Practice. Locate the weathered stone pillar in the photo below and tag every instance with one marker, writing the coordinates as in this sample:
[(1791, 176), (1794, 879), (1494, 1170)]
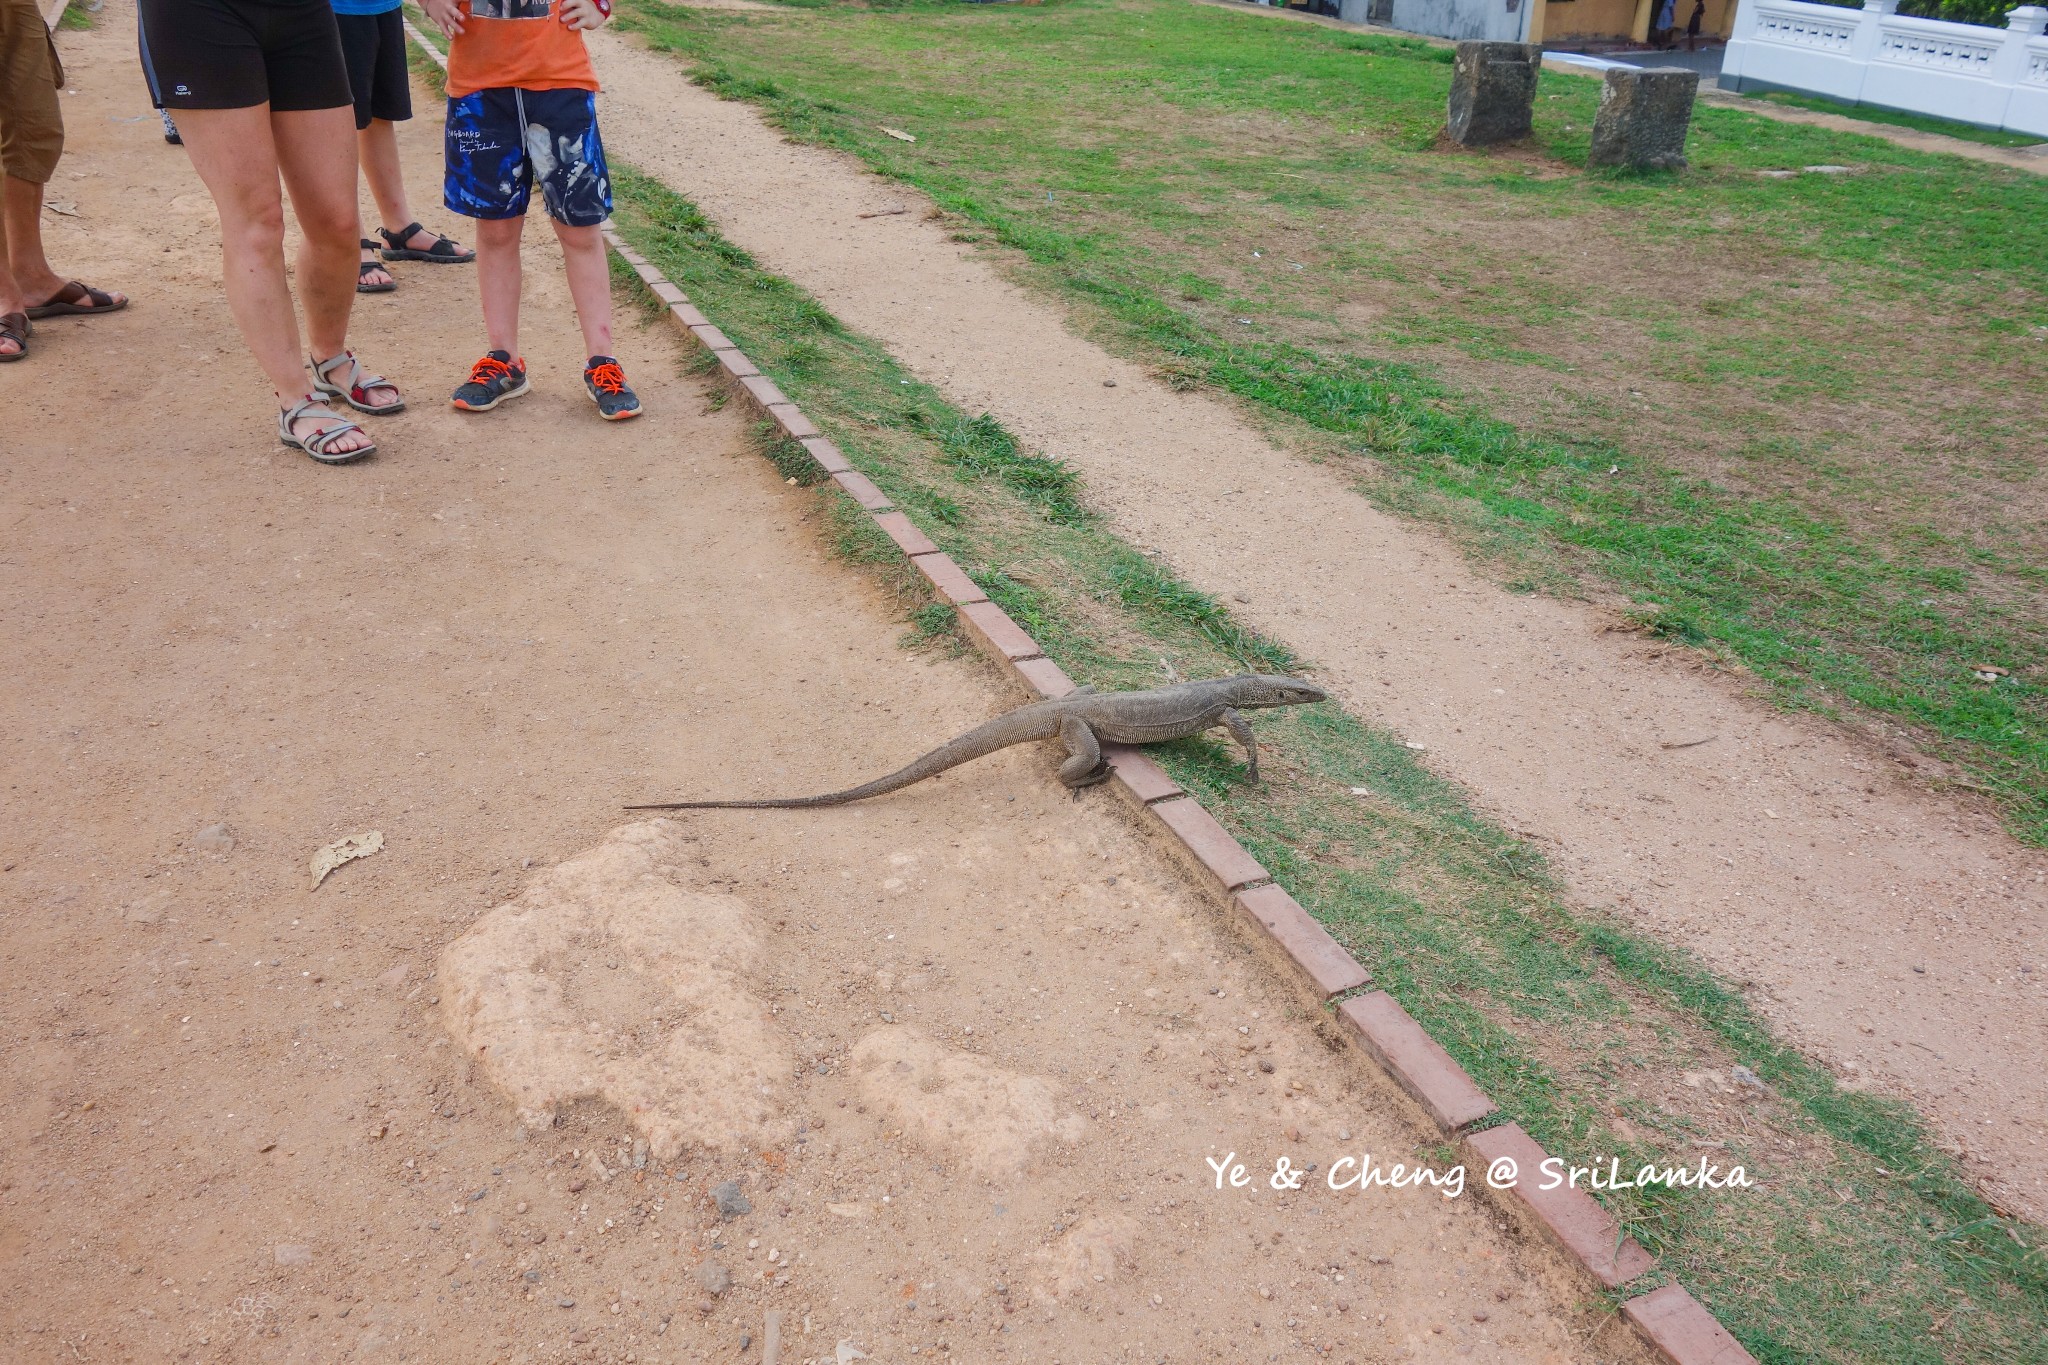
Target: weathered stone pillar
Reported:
[(1643, 118), (1493, 92)]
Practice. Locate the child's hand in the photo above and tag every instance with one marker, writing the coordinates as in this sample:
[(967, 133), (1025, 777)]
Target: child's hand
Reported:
[(583, 14), (446, 14)]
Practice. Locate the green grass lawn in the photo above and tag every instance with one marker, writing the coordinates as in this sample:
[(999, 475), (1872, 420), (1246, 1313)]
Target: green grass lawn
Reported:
[(1863, 1243), (1789, 416)]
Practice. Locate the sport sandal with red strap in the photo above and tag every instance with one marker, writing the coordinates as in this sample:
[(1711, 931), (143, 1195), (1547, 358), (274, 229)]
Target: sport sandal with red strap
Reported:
[(318, 444), (355, 386)]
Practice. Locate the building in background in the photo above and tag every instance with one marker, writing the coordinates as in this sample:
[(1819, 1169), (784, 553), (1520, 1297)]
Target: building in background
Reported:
[(1591, 23), (1995, 77)]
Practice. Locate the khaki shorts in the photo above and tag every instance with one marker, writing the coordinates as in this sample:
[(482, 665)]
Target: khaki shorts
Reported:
[(31, 124)]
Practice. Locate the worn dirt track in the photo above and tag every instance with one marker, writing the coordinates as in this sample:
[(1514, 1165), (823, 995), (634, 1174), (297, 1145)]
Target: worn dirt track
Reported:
[(233, 1125), (1892, 930)]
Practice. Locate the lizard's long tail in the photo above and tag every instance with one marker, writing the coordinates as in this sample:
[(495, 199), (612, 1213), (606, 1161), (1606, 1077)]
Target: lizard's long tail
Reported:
[(1036, 721)]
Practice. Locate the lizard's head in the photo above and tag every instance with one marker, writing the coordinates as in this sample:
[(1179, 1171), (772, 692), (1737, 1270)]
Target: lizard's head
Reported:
[(1257, 691)]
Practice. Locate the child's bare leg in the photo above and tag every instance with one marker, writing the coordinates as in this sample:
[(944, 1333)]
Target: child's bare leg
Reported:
[(498, 279), (590, 284)]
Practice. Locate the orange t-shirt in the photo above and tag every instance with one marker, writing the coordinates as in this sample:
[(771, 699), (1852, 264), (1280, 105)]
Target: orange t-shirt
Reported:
[(521, 43)]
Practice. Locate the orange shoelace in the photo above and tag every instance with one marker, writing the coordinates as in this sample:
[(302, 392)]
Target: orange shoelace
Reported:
[(487, 369), (608, 377)]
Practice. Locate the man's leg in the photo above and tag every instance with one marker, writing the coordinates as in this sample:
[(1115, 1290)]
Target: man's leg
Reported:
[(31, 140), (590, 285), (21, 204), (11, 300), (377, 146), (377, 150)]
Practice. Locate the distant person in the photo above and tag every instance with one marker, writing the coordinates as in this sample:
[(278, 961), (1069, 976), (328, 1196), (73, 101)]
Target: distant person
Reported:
[(1667, 19), (262, 95), (1692, 25), (522, 107), (31, 143), (373, 44)]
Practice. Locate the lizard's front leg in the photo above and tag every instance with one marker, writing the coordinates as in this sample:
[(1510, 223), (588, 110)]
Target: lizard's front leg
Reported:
[(1085, 765), (1241, 730)]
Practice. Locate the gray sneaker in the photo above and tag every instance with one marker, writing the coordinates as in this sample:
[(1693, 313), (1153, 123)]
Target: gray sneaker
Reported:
[(491, 381), (607, 385)]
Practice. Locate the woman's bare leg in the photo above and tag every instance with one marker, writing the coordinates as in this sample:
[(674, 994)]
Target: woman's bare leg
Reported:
[(232, 151), (236, 156), (316, 154)]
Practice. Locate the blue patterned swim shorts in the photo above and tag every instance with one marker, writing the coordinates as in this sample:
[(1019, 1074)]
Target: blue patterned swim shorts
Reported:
[(501, 141)]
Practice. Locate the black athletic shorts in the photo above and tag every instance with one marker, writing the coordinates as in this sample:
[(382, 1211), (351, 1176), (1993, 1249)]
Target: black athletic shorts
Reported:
[(374, 45), (235, 54)]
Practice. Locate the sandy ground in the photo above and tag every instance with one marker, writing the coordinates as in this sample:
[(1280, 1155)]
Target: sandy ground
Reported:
[(963, 1053), (1891, 930)]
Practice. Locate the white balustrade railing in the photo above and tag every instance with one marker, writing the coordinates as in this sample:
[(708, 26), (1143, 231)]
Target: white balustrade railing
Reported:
[(1875, 55)]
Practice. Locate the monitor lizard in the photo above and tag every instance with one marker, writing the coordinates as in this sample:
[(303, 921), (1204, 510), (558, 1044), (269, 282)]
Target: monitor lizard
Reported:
[(1082, 719)]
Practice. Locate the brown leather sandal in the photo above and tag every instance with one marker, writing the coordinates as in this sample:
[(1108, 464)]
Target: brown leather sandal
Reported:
[(77, 300), (15, 327)]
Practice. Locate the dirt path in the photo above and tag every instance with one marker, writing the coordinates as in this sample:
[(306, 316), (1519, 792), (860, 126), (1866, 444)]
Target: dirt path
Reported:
[(1888, 929), (963, 1052)]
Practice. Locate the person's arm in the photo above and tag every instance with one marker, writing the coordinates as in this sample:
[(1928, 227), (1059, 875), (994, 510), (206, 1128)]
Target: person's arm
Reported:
[(446, 14), (585, 14)]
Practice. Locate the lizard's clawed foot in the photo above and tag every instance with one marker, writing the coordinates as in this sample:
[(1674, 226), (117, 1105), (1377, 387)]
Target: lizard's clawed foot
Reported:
[(1099, 773)]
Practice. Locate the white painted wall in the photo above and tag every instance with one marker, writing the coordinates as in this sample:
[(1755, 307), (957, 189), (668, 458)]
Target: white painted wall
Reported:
[(1990, 77)]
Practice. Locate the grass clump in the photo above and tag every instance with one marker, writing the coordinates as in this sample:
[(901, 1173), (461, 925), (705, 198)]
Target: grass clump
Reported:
[(788, 455), (981, 446)]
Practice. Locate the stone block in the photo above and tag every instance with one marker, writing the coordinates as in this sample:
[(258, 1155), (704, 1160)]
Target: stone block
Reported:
[(1416, 1061), (1493, 92), (1643, 118), (1044, 678), (991, 628), (1330, 970), (1683, 1332), (1208, 844), (1569, 1215)]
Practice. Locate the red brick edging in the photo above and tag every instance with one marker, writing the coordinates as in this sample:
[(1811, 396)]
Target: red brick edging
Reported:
[(1674, 1323)]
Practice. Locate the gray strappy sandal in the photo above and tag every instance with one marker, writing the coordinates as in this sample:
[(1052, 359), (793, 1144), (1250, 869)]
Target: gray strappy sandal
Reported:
[(316, 444), (357, 384)]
